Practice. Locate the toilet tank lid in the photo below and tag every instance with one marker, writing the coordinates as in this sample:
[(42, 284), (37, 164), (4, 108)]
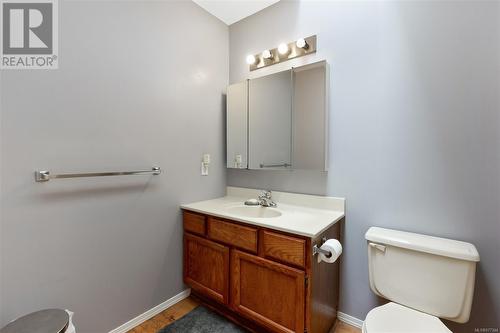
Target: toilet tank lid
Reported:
[(423, 243)]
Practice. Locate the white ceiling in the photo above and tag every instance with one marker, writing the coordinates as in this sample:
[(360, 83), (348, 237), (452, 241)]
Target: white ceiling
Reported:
[(231, 11)]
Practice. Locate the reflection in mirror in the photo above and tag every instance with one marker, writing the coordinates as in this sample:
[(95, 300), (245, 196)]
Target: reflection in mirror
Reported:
[(270, 121)]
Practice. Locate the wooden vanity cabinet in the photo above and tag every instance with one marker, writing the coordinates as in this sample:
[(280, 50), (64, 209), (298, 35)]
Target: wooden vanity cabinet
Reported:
[(263, 279)]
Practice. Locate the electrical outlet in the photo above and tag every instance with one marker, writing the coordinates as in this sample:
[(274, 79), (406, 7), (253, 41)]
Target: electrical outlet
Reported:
[(205, 162)]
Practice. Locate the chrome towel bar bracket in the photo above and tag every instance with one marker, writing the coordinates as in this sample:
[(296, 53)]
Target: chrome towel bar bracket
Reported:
[(45, 176)]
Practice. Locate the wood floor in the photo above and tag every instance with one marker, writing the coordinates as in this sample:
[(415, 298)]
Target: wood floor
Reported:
[(182, 308)]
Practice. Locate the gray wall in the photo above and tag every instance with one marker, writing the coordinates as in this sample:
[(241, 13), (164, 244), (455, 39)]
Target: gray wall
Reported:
[(414, 126), (134, 89)]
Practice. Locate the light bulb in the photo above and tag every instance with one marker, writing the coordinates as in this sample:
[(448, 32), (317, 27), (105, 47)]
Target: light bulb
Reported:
[(266, 54), (250, 59), (283, 48), (301, 43)]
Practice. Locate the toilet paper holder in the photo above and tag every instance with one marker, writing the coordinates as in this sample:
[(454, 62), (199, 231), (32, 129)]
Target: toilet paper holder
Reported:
[(317, 249)]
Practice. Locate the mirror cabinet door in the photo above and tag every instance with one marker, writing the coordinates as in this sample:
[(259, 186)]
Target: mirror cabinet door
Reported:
[(270, 121), (280, 121), (237, 125), (310, 117)]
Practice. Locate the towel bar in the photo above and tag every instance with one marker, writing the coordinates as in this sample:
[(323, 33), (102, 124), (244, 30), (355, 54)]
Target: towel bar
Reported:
[(45, 176)]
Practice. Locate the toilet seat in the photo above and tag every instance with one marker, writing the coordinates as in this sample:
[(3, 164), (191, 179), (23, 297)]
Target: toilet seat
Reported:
[(395, 318)]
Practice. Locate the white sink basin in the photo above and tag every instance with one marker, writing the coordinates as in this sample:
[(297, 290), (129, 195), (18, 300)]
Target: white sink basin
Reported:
[(253, 211)]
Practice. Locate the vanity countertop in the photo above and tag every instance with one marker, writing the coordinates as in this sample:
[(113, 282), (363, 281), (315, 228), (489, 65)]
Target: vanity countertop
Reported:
[(300, 214)]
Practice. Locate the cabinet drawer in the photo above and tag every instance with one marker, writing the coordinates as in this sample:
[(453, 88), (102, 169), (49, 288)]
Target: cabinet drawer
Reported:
[(283, 248), (233, 234), (194, 223)]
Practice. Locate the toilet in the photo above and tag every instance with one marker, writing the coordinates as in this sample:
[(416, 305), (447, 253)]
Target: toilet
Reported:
[(424, 278)]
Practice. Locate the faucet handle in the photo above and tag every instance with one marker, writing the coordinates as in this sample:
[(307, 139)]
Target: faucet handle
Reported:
[(266, 194), (266, 199)]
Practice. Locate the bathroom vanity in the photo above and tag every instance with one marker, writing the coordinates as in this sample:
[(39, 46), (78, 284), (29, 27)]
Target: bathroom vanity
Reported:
[(255, 265)]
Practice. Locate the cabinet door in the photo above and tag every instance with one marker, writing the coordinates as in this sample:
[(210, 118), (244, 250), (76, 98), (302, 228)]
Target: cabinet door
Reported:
[(270, 121), (310, 117), (236, 125), (269, 293), (206, 267)]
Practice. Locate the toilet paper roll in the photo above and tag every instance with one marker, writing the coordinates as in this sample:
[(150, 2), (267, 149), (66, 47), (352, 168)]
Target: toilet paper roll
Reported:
[(335, 249)]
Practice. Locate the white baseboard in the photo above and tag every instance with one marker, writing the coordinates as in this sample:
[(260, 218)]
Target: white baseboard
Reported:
[(151, 312), (353, 321)]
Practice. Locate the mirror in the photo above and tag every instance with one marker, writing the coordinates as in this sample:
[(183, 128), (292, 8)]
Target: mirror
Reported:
[(270, 121), (279, 121), (237, 125), (310, 117)]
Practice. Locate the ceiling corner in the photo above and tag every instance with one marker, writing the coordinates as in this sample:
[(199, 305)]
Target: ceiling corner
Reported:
[(232, 11)]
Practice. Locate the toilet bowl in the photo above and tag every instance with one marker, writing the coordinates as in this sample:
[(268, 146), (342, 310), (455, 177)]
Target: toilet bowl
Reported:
[(424, 278), (395, 318)]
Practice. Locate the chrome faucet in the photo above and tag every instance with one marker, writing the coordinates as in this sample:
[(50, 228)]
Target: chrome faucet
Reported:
[(266, 199)]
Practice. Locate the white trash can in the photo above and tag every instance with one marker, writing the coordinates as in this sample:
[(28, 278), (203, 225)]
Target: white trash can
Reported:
[(43, 321), (71, 327)]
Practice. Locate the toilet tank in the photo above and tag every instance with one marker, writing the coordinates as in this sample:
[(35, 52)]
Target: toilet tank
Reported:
[(430, 274)]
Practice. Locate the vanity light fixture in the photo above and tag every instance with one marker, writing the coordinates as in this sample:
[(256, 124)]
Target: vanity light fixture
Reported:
[(251, 59), (283, 49), (301, 43), (266, 54), (298, 48)]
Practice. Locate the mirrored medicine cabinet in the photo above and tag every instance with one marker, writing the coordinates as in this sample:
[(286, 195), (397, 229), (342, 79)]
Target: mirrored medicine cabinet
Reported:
[(279, 121)]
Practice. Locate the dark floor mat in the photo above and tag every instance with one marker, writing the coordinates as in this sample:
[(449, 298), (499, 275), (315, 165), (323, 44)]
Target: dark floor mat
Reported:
[(202, 320)]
